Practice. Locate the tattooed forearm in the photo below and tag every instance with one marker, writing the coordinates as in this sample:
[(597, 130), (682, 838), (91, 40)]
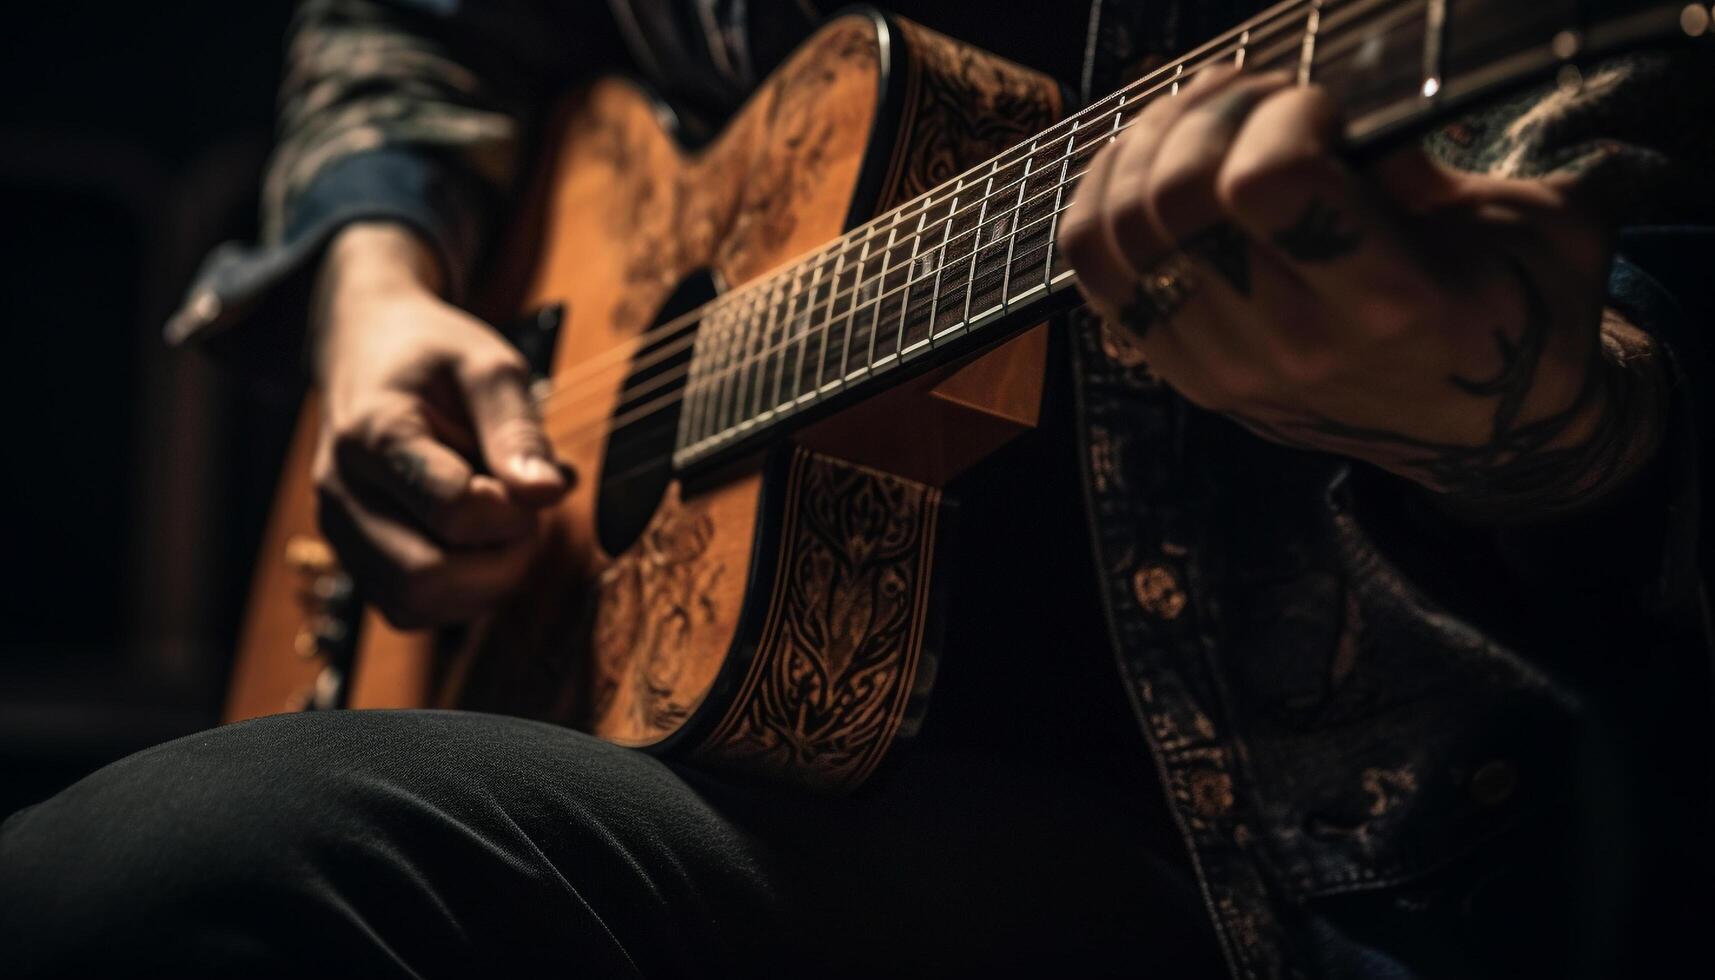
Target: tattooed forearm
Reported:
[(1550, 465), (1317, 235)]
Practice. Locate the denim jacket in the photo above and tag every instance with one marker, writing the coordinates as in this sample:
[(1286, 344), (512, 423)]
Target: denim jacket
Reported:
[(1396, 745)]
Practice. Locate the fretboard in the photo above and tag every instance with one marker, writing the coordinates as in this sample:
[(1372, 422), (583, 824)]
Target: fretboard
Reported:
[(966, 264)]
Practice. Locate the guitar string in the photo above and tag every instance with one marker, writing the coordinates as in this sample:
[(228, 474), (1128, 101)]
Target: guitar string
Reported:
[(818, 260), (804, 316), (897, 217), (706, 314), (942, 225), (741, 330), (1213, 54), (591, 428), (573, 431), (674, 335), (811, 328)]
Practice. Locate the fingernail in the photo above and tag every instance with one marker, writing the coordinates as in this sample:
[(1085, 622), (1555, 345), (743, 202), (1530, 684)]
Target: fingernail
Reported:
[(535, 469)]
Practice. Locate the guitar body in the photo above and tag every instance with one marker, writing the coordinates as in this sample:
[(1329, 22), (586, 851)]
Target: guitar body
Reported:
[(775, 616)]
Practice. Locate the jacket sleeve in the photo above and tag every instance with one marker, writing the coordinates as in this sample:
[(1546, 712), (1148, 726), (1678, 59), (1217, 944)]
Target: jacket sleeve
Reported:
[(416, 111)]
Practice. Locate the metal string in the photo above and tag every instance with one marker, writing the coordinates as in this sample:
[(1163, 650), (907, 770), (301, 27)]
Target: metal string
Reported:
[(1127, 102), (896, 218)]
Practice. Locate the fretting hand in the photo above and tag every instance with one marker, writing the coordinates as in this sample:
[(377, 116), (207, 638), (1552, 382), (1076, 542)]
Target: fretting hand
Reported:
[(1447, 327), (432, 466)]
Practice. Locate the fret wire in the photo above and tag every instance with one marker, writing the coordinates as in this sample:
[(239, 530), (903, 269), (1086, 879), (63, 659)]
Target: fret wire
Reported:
[(766, 305), (1434, 47), (905, 299), (1060, 190), (772, 354), (792, 338), (748, 373), (851, 315), (1241, 51), (940, 268), (822, 354), (786, 342), (743, 318), (1012, 237), (735, 358), (1270, 21), (1329, 50), (880, 291), (711, 401), (770, 378), (672, 396), (797, 341), (1116, 122), (789, 336), (1295, 47), (1085, 123), (711, 394), (801, 319), (1307, 56), (723, 390), (976, 249), (710, 377), (833, 291), (1239, 57), (694, 373), (1083, 119)]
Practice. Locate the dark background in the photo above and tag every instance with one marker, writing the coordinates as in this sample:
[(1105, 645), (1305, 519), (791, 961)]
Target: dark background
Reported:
[(132, 137)]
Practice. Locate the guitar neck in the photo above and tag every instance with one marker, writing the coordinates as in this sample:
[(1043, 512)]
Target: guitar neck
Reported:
[(970, 262)]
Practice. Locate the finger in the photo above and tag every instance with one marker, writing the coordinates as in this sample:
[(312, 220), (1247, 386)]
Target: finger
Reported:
[(514, 445), (1285, 185), (405, 461), (1128, 228), (1165, 194), (415, 582), (1086, 238), (1103, 276)]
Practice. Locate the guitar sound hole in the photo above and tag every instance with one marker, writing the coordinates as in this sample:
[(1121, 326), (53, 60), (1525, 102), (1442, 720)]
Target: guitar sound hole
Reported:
[(638, 462)]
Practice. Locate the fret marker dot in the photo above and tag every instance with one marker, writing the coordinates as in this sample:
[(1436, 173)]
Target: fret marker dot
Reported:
[(1430, 87)]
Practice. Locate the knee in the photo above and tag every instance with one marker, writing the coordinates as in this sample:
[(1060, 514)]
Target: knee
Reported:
[(203, 849)]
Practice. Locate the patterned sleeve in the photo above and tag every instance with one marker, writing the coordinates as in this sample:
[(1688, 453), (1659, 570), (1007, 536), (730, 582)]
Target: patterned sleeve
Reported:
[(415, 111), (1639, 130)]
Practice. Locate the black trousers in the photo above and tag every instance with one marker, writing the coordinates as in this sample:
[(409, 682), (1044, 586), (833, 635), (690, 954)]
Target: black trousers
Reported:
[(418, 843)]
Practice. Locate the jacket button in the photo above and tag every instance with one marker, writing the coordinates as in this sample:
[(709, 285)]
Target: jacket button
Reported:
[(1158, 591), (1494, 782)]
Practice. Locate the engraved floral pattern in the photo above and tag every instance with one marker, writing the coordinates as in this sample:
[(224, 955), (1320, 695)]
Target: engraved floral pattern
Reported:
[(649, 602), (840, 657)]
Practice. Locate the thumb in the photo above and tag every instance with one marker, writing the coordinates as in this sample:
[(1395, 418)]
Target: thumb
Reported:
[(514, 445)]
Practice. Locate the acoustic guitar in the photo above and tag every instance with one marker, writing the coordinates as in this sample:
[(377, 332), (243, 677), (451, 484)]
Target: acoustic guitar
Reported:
[(767, 358)]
